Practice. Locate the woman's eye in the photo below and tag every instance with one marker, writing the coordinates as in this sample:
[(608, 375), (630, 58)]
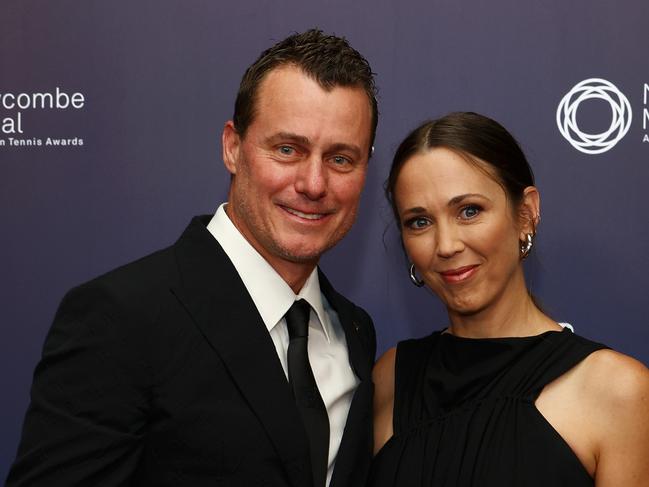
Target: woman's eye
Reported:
[(470, 211), (417, 223)]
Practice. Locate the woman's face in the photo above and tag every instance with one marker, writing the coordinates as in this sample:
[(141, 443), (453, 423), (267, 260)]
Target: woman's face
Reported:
[(459, 230)]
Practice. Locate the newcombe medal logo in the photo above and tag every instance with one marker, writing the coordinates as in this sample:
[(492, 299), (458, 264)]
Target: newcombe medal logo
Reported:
[(594, 88)]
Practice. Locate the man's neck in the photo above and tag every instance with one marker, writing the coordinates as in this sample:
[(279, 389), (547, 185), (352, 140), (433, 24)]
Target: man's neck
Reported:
[(293, 273)]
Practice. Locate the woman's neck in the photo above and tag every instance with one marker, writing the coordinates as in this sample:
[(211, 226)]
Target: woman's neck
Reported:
[(513, 314)]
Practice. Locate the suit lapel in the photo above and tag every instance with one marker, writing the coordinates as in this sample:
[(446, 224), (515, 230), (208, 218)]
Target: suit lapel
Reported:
[(219, 303), (355, 451), (358, 352)]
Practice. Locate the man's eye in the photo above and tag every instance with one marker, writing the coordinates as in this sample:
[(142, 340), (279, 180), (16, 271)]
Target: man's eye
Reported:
[(286, 150), (470, 211), (340, 160)]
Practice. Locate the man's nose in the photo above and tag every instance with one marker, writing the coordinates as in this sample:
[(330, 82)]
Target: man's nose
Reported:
[(311, 178)]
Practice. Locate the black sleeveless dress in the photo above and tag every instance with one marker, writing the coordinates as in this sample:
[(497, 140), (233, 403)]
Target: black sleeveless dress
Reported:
[(464, 413)]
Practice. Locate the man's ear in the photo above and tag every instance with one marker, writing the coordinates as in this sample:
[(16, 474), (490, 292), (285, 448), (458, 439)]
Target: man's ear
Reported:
[(529, 212), (231, 147)]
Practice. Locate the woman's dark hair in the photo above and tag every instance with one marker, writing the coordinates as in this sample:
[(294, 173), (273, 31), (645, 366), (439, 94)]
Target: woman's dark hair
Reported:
[(473, 137)]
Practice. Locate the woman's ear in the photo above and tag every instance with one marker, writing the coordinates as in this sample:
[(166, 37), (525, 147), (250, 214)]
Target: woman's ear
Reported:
[(231, 145), (529, 212)]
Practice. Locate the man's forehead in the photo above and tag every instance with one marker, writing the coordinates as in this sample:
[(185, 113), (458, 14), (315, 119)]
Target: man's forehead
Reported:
[(292, 105)]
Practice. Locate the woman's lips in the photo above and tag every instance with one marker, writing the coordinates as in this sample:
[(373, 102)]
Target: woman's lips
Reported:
[(460, 274)]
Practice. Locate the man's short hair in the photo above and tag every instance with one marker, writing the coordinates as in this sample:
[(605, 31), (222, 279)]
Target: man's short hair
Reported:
[(328, 59)]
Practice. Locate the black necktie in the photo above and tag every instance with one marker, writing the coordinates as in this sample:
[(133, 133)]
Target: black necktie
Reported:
[(305, 390)]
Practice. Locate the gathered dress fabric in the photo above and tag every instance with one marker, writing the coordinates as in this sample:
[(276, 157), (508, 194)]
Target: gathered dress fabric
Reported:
[(465, 414)]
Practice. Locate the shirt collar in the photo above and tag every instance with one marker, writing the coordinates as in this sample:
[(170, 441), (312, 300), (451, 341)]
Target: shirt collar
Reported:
[(271, 295)]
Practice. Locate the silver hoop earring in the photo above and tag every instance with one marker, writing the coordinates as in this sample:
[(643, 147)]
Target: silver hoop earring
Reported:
[(526, 246), (417, 282)]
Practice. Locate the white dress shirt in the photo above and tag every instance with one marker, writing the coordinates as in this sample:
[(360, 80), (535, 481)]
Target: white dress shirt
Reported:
[(273, 297)]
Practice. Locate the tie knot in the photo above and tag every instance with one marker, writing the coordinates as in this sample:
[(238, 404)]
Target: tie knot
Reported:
[(297, 319)]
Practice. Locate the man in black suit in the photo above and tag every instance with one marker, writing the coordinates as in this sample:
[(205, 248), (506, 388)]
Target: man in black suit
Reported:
[(194, 366)]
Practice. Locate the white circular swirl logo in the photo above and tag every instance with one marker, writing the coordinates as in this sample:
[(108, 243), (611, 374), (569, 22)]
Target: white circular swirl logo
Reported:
[(594, 88)]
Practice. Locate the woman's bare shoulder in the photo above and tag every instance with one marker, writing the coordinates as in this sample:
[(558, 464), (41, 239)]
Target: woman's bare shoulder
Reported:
[(614, 378), (383, 373), (616, 388), (383, 378)]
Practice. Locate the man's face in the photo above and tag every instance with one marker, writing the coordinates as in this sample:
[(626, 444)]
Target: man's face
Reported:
[(299, 170)]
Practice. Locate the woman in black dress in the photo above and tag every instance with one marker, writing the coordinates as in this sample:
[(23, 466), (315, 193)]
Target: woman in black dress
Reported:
[(504, 396)]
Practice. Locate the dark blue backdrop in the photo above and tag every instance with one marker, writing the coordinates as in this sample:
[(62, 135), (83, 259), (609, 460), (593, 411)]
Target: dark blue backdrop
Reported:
[(159, 80)]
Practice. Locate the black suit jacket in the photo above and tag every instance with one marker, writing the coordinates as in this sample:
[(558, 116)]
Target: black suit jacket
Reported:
[(162, 373)]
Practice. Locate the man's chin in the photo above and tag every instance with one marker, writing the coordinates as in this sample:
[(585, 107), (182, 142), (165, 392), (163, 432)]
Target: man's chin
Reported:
[(301, 257), (302, 254)]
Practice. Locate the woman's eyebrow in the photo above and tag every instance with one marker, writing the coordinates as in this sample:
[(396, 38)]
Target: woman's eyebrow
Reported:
[(458, 199)]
